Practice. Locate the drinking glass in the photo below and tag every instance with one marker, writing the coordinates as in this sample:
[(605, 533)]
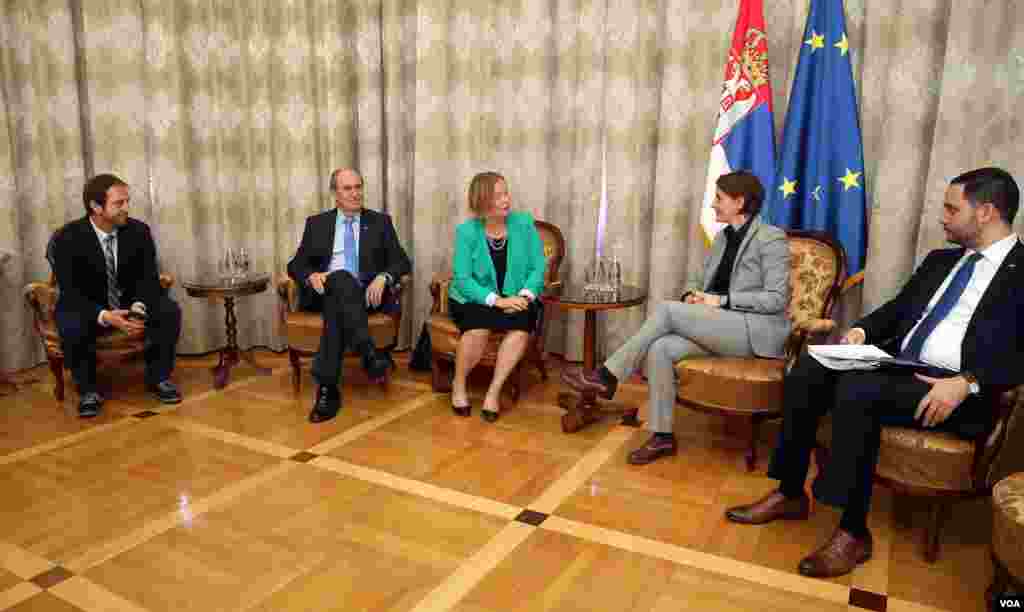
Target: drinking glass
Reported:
[(242, 262)]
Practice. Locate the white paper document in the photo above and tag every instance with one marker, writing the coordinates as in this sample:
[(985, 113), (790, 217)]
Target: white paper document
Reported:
[(857, 357)]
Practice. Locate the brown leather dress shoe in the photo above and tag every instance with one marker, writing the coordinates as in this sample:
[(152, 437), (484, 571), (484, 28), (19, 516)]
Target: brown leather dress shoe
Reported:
[(588, 381), (654, 448), (771, 507), (838, 556)]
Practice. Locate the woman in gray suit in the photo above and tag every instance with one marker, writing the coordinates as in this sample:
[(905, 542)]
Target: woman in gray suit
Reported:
[(736, 307)]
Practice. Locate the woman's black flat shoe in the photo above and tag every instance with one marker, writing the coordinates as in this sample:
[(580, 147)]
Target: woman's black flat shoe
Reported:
[(488, 416), (462, 411)]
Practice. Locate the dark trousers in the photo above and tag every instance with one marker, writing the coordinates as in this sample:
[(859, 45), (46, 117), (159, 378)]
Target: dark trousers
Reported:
[(345, 315), (861, 402), (79, 331)]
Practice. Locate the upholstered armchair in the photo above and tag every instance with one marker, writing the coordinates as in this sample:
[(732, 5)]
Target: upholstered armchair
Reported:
[(940, 466), (303, 329), (444, 335), (113, 345), (751, 388)]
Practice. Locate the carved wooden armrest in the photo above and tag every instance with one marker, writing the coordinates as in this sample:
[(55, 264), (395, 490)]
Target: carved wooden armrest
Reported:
[(288, 294), (166, 280), (42, 299), (801, 332), (439, 284)]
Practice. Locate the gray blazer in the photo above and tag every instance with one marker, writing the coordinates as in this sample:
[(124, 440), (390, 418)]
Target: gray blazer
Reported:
[(758, 286)]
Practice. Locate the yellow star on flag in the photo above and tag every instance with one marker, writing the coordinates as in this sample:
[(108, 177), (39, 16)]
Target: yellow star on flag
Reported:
[(787, 188), (816, 41), (843, 45), (850, 180)]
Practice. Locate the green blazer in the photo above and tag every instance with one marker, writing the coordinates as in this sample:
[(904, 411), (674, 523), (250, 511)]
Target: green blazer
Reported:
[(473, 275)]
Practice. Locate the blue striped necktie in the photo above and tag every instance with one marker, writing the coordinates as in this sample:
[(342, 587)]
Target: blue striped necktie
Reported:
[(113, 294), (942, 308)]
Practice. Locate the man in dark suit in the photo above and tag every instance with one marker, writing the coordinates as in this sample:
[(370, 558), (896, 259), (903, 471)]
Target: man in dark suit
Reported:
[(959, 314), (106, 270), (348, 263)]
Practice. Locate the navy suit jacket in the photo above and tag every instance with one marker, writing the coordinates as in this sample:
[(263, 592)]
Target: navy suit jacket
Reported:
[(379, 250), (77, 259), (993, 345)]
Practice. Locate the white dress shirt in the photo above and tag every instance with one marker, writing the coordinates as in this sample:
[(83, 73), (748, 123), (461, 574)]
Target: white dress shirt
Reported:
[(943, 346)]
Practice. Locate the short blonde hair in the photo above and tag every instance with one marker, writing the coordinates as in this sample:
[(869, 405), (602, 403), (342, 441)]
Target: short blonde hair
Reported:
[(481, 191)]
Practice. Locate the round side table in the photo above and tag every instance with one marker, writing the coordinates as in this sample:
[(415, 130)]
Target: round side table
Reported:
[(582, 410), (227, 289)]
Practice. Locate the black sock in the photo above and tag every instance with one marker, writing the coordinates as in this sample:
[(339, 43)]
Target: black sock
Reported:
[(662, 436), (854, 523), (793, 492), (607, 376)]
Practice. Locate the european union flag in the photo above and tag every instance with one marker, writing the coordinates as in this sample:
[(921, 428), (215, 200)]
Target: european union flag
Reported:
[(820, 180)]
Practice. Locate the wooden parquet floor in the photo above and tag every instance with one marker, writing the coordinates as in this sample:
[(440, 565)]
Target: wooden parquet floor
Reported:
[(232, 500)]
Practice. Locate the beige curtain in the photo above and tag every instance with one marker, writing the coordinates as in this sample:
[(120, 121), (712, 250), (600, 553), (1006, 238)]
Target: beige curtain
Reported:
[(226, 116)]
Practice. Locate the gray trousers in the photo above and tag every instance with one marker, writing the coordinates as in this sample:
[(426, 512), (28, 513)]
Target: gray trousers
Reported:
[(671, 333)]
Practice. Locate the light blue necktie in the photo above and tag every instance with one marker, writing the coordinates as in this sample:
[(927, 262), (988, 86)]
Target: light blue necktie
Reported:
[(945, 304), (351, 259)]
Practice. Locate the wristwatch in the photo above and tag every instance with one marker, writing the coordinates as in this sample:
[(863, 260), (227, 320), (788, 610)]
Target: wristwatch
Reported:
[(973, 388)]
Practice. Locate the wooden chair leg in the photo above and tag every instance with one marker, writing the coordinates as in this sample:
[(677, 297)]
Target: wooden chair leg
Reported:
[(441, 372), (538, 360), (938, 513), (293, 357), (518, 381), (57, 367)]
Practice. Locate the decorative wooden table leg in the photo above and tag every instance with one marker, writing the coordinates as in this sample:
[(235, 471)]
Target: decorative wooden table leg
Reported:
[(583, 410), (228, 354)]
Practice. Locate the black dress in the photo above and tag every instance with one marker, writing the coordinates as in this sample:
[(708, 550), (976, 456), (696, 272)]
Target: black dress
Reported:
[(481, 316)]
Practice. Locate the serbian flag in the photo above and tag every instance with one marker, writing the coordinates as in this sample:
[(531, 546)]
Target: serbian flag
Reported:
[(745, 133)]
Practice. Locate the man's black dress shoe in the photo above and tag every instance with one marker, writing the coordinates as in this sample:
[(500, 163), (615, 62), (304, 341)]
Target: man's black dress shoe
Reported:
[(326, 404), (89, 404), (166, 392), (376, 365)]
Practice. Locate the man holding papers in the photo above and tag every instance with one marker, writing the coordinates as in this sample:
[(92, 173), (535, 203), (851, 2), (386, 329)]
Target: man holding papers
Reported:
[(958, 314)]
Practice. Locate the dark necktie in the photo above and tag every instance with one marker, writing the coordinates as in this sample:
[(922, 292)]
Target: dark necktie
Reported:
[(113, 294), (942, 308)]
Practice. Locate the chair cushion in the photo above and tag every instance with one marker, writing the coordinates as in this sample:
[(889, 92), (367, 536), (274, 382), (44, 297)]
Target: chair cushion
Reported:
[(444, 338), (1008, 523), (303, 330), (732, 384), (109, 340), (928, 459), (932, 459)]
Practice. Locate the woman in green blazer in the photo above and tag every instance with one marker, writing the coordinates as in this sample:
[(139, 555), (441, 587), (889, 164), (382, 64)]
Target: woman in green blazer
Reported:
[(498, 272)]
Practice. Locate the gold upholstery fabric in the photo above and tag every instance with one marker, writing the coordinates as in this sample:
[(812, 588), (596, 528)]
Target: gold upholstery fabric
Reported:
[(444, 334), (931, 459), (1008, 523), (813, 270), (111, 343), (754, 385), (735, 384), (303, 330)]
